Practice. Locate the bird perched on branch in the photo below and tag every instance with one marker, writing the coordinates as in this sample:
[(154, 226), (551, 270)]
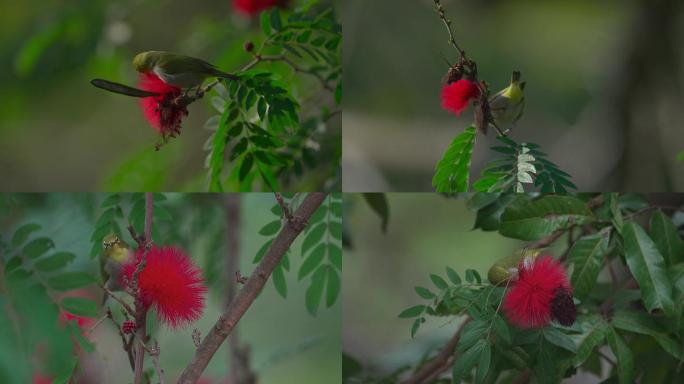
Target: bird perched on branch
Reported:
[(506, 269), (508, 105), (115, 253), (178, 70)]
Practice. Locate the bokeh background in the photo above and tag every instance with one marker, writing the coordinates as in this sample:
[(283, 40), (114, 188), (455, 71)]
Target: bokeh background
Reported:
[(59, 133), (287, 344), (604, 88)]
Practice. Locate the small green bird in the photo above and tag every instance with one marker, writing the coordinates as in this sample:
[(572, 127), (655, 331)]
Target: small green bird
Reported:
[(115, 254), (508, 105), (506, 269), (178, 70)]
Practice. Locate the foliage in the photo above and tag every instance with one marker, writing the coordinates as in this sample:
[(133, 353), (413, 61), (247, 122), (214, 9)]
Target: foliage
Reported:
[(627, 284), (259, 122), (321, 250)]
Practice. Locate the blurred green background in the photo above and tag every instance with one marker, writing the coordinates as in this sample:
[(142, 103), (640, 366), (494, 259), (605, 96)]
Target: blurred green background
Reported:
[(604, 88), (59, 133), (426, 233), (287, 344)]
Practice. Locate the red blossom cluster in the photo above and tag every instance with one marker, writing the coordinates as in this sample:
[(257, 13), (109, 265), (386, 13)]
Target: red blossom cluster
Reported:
[(541, 293), (170, 283), (254, 7), (162, 111), (457, 95)]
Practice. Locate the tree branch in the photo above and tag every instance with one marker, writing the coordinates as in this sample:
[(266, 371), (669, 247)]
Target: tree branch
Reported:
[(244, 299), (140, 309), (440, 362)]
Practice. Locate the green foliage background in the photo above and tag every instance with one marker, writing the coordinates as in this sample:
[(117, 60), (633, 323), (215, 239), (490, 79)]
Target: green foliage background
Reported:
[(57, 132), (301, 347)]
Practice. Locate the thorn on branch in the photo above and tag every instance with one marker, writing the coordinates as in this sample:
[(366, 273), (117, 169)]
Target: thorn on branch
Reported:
[(196, 337), (239, 278)]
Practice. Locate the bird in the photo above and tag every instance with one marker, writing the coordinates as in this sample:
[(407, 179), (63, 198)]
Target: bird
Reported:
[(180, 71), (507, 106), (115, 253), (506, 269)]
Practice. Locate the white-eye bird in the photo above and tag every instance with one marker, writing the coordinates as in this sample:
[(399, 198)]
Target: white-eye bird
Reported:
[(115, 253), (178, 70), (506, 269), (508, 105)]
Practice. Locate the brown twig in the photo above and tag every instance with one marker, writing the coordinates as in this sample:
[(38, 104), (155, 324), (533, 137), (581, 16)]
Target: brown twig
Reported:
[(125, 344), (118, 299), (244, 299), (140, 308), (439, 363), (286, 210)]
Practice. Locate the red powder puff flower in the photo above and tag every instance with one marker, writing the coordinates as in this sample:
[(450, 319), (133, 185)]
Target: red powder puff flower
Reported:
[(171, 283), (541, 293), (253, 7), (161, 111), (455, 96), (40, 379)]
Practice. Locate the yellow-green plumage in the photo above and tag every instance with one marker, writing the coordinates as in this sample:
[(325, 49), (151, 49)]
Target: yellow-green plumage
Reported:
[(507, 268), (508, 105), (115, 253), (178, 70)]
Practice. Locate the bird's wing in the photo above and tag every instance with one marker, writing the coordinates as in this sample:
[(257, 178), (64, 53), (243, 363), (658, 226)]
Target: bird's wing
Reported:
[(173, 64), (498, 102)]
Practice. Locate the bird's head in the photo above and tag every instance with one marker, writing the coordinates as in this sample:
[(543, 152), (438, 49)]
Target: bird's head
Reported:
[(145, 61), (114, 247), (515, 90)]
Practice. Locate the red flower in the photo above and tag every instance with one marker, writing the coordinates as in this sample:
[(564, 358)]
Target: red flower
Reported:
[(254, 7), (455, 96), (40, 379), (171, 283), (541, 293), (161, 111)]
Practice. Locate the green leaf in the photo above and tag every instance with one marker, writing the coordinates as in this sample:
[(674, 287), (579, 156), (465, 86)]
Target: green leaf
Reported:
[(335, 255), (648, 268), (424, 293), (666, 238), (453, 171), (416, 324), (595, 333), (56, 261), (556, 337), (266, 23), (313, 237), (315, 290), (333, 287), (587, 256), (378, 203), (472, 332), (438, 281), (271, 228), (77, 334), (625, 358), (279, 281), (473, 276), (483, 365), (216, 154), (262, 251), (646, 325), (79, 306), (414, 311), (453, 276), (245, 167), (501, 329), (336, 230), (312, 261), (70, 280), (110, 201), (545, 369), (23, 232), (533, 220), (276, 22), (465, 363), (37, 247)]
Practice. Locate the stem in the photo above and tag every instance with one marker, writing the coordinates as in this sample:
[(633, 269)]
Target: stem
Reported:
[(140, 309), (439, 363), (244, 299)]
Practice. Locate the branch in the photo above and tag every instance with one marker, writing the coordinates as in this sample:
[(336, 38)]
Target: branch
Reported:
[(244, 299), (140, 309), (440, 362)]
